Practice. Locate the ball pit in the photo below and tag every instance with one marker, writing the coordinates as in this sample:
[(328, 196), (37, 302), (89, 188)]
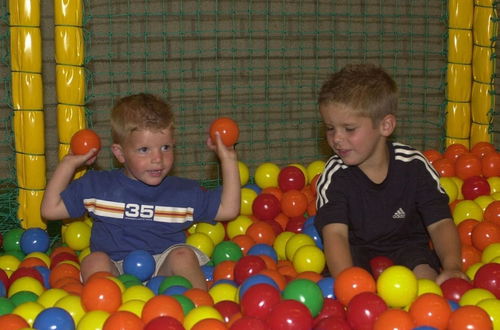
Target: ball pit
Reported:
[(266, 270)]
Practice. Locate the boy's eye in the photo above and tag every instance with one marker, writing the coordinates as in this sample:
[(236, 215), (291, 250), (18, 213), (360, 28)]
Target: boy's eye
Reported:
[(142, 149), (350, 129), (165, 147)]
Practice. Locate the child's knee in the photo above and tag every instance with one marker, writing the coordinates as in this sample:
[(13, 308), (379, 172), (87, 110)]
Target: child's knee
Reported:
[(184, 254)]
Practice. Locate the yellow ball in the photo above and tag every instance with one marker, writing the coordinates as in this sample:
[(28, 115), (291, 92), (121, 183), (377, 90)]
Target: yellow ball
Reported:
[(483, 201), (314, 169), (247, 197), (28, 311), (137, 292), (449, 187), (93, 320), (492, 307), (474, 296), (496, 195), (73, 305), (428, 286), (77, 235), (494, 183), (51, 296), (223, 291), (216, 232), (135, 306), (26, 283), (491, 252), (200, 313), (244, 173), (238, 226), (459, 182), (9, 262), (472, 270), (266, 175), (296, 242), (397, 286), (467, 209), (202, 242), (279, 244), (309, 258)]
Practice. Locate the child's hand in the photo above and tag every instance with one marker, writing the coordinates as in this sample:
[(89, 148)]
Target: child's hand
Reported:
[(79, 160), (222, 151), (447, 274)]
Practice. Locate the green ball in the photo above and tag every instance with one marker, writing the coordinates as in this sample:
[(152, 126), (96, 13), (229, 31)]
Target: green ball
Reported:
[(226, 250), (129, 280), (23, 296), (6, 306), (174, 280), (12, 239), (186, 303), (306, 292)]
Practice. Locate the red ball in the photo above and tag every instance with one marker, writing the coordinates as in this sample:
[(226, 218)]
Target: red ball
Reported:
[(331, 308), (379, 264), (247, 266), (475, 186), (488, 277), (290, 314), (266, 207), (454, 288), (249, 323), (228, 130), (164, 323), (363, 309), (296, 224), (291, 177), (332, 323), (227, 308), (84, 140), (259, 299)]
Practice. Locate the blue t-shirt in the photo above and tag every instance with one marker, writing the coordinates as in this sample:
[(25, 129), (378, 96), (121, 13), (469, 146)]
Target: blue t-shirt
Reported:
[(130, 215)]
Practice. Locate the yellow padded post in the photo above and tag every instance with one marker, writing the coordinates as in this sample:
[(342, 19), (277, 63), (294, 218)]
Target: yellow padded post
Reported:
[(459, 72), (27, 102), (483, 70)]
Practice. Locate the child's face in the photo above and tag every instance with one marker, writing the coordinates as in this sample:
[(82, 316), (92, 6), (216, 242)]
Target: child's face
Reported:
[(147, 156), (353, 137)]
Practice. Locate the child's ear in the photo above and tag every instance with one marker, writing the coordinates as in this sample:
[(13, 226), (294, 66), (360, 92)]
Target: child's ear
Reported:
[(118, 152), (388, 125)]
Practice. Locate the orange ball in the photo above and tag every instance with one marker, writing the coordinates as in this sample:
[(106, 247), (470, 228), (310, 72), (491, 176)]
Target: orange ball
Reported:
[(13, 322), (228, 130), (101, 294), (469, 317), (294, 203), (224, 270), (453, 151), (123, 320), (394, 319), (245, 242), (273, 191), (470, 256), (492, 212), (261, 232), (465, 230), (276, 276), (490, 164), (84, 140), (482, 148), (62, 270), (209, 324), (432, 310), (445, 167), (162, 305), (468, 165), (432, 154), (351, 281), (484, 234), (199, 297)]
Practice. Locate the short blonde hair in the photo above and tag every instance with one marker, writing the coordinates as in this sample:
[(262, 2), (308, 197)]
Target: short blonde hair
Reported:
[(366, 88), (138, 112)]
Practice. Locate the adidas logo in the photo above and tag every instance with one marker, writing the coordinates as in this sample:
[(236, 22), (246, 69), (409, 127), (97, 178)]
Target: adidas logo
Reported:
[(399, 214)]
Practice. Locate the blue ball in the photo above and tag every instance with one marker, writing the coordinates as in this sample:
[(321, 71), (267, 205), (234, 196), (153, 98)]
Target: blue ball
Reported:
[(312, 232), (45, 272), (254, 187), (54, 318), (139, 263), (263, 249), (34, 240), (326, 284), (208, 272), (155, 282), (309, 221), (174, 289), (255, 279)]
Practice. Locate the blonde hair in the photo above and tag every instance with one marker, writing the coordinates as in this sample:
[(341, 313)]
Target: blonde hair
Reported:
[(365, 88), (138, 112)]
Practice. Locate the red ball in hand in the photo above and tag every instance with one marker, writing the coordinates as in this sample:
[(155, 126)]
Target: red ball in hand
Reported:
[(228, 130), (84, 140)]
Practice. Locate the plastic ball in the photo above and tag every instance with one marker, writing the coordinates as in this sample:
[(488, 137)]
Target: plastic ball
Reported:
[(73, 305), (200, 313), (54, 318), (484, 234), (261, 232), (492, 307), (467, 209), (9, 263), (202, 242), (474, 187), (430, 309), (174, 280), (488, 277), (216, 231), (227, 308), (199, 297), (247, 266), (294, 203), (34, 240), (244, 173), (306, 292), (394, 319), (77, 235), (26, 283), (492, 212), (266, 207), (259, 300), (263, 249), (13, 321), (226, 250), (450, 188), (378, 264), (12, 239), (259, 278), (93, 320), (397, 285), (426, 285), (363, 309), (469, 317), (445, 167), (101, 294), (238, 226), (247, 198), (291, 177), (351, 281), (137, 292), (164, 322), (266, 175), (227, 128), (314, 168), (295, 242), (6, 307), (162, 305), (309, 258), (490, 165), (468, 165), (123, 320), (84, 140), (289, 314), (454, 288), (139, 263), (223, 291), (29, 311), (280, 242), (475, 295), (490, 253)]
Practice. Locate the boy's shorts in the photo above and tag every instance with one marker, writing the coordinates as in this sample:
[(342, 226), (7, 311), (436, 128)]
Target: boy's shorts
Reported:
[(410, 256), (160, 258)]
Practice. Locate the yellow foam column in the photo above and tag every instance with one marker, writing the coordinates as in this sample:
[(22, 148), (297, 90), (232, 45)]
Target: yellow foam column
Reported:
[(27, 103), (70, 73), (459, 72), (483, 70)]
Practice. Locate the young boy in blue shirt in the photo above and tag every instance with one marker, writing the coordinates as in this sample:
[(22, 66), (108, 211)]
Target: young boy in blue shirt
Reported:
[(375, 197), (141, 206)]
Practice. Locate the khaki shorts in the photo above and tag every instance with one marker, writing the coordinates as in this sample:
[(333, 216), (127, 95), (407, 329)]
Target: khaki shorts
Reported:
[(160, 258)]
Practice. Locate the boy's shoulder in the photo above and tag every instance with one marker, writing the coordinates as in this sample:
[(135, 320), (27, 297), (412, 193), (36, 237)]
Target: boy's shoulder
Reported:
[(405, 153)]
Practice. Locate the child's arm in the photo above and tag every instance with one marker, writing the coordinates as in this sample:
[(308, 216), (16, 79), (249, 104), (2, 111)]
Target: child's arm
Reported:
[(231, 191), (336, 247), (53, 207), (446, 242)]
